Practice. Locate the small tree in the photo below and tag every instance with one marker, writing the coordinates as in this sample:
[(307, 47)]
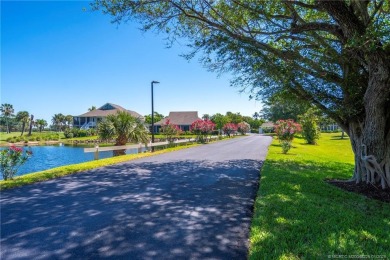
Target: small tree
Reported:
[(41, 123), (219, 120), (285, 130), (106, 130), (7, 111), (202, 128), (10, 161), (23, 117), (124, 128), (310, 128), (243, 128), (170, 130), (229, 129), (157, 117)]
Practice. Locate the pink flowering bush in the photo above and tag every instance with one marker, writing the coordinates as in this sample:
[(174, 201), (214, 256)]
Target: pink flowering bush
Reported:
[(229, 129), (285, 130), (202, 128), (11, 159), (170, 130), (243, 128)]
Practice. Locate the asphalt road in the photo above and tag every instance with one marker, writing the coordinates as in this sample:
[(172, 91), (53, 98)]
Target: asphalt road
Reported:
[(195, 203)]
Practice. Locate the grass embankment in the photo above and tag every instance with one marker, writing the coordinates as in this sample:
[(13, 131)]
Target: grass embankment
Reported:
[(299, 216), (74, 168)]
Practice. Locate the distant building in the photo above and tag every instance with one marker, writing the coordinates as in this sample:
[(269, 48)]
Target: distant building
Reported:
[(330, 128), (182, 119), (267, 127), (93, 117)]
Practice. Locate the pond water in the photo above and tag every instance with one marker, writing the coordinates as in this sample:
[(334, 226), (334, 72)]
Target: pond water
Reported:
[(47, 157)]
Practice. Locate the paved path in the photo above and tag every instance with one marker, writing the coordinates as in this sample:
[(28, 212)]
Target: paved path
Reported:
[(190, 204)]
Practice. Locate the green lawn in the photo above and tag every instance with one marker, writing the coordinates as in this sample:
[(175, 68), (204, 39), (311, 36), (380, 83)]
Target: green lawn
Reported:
[(42, 136), (299, 216)]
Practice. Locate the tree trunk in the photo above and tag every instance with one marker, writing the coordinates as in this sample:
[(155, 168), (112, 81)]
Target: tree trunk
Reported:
[(370, 134), (7, 120), (372, 161), (23, 126), (121, 140), (31, 124)]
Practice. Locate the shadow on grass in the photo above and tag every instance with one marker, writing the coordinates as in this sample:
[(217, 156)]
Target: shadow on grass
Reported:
[(339, 137), (298, 215), (146, 210)]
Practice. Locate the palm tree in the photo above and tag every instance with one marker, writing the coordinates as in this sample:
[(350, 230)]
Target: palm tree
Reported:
[(58, 121), (106, 130), (92, 108), (7, 111), (206, 117), (32, 123), (124, 128), (256, 115), (41, 123), (23, 117), (69, 120)]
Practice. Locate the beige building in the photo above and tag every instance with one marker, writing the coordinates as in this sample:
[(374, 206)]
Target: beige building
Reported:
[(182, 119), (93, 117)]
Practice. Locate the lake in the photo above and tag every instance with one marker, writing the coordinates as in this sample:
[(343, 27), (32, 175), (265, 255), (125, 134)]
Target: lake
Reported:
[(47, 157)]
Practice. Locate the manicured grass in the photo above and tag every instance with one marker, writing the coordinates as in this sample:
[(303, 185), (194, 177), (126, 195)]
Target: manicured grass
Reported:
[(74, 168), (42, 137), (299, 216)]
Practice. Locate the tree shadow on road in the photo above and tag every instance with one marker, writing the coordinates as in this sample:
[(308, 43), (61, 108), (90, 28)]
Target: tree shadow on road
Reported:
[(183, 209)]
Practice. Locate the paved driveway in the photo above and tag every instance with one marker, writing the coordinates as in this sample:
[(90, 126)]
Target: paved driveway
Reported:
[(190, 204)]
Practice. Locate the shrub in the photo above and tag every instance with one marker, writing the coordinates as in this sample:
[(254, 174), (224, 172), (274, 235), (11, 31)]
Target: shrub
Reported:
[(243, 128), (75, 131), (91, 132), (67, 132), (202, 128), (310, 128), (285, 130), (229, 129), (10, 161), (170, 130), (82, 133)]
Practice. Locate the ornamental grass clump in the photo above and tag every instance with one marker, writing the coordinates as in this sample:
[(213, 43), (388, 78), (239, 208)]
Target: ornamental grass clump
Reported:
[(286, 130), (10, 161)]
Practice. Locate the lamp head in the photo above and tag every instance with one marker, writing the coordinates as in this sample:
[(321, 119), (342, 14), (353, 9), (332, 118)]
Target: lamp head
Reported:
[(155, 82)]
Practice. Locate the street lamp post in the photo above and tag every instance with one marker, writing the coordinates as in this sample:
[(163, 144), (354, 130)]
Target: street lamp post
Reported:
[(153, 82)]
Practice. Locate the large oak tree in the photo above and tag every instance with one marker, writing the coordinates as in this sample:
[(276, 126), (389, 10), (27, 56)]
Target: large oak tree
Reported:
[(334, 54)]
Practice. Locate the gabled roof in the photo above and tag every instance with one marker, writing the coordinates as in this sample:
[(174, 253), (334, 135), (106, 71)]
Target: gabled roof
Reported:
[(109, 109), (180, 118), (267, 124)]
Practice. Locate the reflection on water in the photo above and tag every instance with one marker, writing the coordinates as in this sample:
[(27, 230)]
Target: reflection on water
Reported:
[(46, 157)]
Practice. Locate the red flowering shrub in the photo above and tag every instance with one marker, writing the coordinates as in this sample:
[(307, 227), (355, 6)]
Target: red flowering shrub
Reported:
[(170, 130), (11, 159), (229, 129), (285, 130), (202, 128), (243, 128)]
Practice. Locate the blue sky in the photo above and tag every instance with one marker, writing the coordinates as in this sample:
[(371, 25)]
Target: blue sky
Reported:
[(58, 58)]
